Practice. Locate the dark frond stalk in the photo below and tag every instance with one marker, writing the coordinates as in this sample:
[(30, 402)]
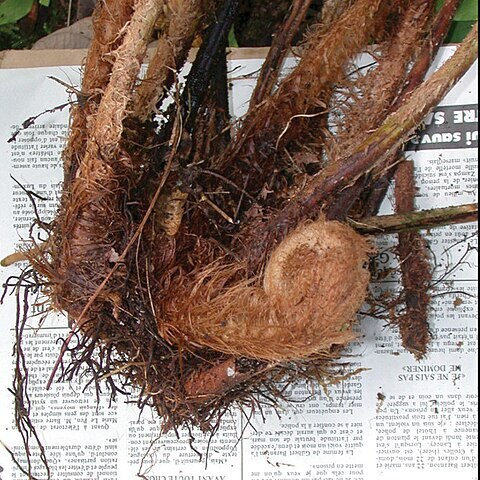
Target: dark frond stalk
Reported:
[(216, 131), (419, 220), (207, 58), (368, 154), (282, 41), (199, 80)]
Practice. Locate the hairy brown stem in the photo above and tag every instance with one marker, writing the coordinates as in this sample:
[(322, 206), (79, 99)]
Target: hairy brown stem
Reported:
[(108, 21), (369, 153), (268, 128), (431, 44), (380, 88), (186, 17), (382, 85), (440, 28), (416, 269), (276, 55)]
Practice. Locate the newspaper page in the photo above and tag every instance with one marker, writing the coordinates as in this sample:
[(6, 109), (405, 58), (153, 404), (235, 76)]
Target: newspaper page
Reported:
[(397, 419)]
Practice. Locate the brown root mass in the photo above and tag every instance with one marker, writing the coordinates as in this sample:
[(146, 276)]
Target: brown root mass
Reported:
[(196, 264), (93, 224)]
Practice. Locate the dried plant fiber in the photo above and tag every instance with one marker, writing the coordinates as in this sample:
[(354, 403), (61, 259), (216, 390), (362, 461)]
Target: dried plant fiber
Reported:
[(313, 285)]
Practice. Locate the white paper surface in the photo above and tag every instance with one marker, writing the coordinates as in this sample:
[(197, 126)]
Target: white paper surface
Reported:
[(398, 419)]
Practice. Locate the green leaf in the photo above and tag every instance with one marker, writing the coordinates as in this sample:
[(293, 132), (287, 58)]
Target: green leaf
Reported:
[(466, 16), (458, 32), (467, 11), (45, 3), (13, 10), (232, 40)]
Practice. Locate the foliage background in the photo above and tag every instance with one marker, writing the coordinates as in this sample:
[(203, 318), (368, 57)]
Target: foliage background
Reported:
[(23, 22)]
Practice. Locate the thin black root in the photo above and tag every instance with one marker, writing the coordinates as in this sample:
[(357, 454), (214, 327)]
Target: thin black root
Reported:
[(23, 286)]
